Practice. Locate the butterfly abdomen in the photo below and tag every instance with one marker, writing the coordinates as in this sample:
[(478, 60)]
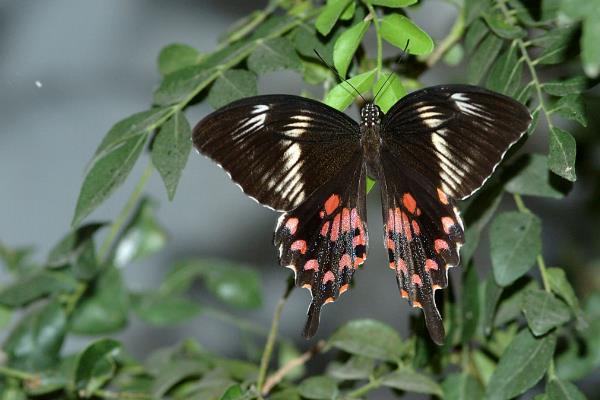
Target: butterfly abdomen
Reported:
[(370, 137)]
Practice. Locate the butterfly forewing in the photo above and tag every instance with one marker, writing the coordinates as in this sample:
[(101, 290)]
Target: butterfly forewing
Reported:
[(324, 240), (453, 136), (278, 148)]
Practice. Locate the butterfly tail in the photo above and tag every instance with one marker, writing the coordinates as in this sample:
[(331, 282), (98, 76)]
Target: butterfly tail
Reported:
[(312, 321)]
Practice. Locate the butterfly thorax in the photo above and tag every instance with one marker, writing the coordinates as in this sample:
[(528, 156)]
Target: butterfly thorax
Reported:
[(370, 137)]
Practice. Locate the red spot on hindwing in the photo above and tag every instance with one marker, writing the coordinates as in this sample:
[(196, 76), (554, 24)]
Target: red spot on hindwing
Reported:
[(430, 265), (442, 196), (299, 245), (311, 265), (346, 220), (325, 228), (292, 225), (416, 228), (416, 279), (440, 245), (328, 277), (409, 203), (335, 227), (332, 203), (447, 223), (345, 261)]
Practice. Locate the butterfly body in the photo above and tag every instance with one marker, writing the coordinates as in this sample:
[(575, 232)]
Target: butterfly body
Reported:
[(433, 147)]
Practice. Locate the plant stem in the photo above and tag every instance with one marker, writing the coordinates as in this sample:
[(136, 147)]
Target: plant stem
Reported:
[(107, 394), (269, 346), (15, 373), (454, 36), (373, 384), (121, 219), (373, 15)]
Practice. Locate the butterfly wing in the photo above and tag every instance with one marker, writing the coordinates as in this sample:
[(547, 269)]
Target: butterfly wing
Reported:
[(324, 240), (454, 136), (278, 148), (439, 144)]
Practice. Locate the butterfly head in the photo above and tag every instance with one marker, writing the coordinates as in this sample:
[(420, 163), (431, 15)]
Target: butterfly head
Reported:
[(370, 115)]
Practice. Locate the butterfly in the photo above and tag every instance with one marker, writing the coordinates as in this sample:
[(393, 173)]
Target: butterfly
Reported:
[(296, 155)]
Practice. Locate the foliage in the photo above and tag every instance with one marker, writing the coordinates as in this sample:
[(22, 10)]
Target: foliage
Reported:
[(505, 332)]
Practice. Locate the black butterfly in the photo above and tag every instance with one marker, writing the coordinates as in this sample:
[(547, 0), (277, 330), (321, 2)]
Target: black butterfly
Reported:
[(297, 155)]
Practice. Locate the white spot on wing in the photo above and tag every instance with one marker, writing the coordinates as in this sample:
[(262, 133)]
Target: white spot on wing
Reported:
[(260, 109)]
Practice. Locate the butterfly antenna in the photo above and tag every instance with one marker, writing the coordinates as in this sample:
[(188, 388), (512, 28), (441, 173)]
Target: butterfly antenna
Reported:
[(402, 55), (339, 77)]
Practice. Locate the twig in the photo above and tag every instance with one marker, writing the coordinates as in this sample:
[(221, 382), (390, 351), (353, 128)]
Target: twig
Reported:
[(373, 16), (278, 375), (454, 36), (266, 357)]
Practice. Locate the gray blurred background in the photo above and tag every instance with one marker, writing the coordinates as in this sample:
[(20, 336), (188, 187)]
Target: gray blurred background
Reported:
[(69, 69)]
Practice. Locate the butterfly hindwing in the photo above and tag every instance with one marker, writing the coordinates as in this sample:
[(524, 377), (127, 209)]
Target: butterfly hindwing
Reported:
[(423, 233), (278, 148), (324, 240), (453, 136)]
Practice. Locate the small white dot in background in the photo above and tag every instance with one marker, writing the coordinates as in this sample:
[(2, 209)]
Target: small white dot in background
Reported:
[(38, 84)]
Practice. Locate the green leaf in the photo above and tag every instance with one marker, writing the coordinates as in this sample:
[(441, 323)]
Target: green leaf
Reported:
[(484, 365), (483, 58), (72, 246), (342, 95), (348, 12), (134, 126), (392, 3), (370, 183), (49, 381), (571, 107), (470, 303), (235, 285), (170, 150), (561, 157), (232, 85), (543, 311), (329, 15), (557, 389), (505, 75), (533, 178), (396, 29), (391, 93), (183, 84), (475, 34), (318, 387), (346, 45), (105, 309), (163, 310), (590, 51), (5, 316), (307, 40), (173, 372), (461, 386), (234, 392), (177, 56), (35, 343), (96, 365), (455, 55), (17, 261), (521, 366), (288, 352), (369, 338), (573, 85), (560, 285), (515, 243), (356, 368), (142, 236), (410, 380), (501, 27), (40, 284), (474, 9), (108, 171), (490, 294), (556, 43), (274, 54), (511, 304)]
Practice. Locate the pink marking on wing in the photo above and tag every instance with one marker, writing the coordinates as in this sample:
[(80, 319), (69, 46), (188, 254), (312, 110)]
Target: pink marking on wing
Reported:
[(440, 245), (447, 223), (325, 228), (442, 196), (332, 203), (359, 240), (328, 277), (345, 261), (430, 265), (299, 245), (406, 226), (416, 228), (416, 279), (409, 203), (311, 265), (335, 227), (402, 265), (292, 225), (358, 262), (390, 244), (355, 220), (345, 220)]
